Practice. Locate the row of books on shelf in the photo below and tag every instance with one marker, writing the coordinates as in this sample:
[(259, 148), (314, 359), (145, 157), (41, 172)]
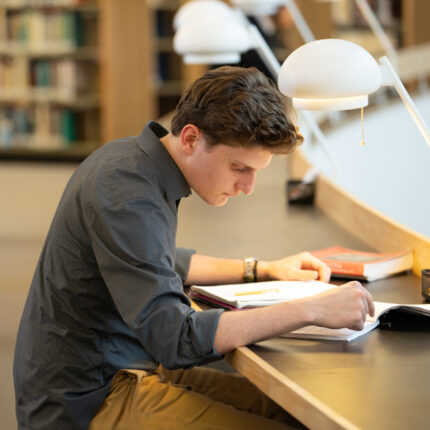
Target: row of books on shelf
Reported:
[(45, 127), (44, 3), (46, 29), (168, 66), (67, 76), (164, 23)]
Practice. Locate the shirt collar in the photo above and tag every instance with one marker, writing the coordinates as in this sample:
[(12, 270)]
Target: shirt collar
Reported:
[(172, 179)]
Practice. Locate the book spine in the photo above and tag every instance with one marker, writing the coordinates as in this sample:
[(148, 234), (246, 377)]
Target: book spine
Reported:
[(345, 267)]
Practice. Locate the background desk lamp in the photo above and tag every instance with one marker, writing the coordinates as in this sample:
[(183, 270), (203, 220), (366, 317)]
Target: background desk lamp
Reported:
[(209, 33), (260, 8), (334, 74)]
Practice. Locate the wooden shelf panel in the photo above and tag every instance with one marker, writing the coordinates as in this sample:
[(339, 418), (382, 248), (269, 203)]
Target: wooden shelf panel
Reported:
[(52, 96), (55, 50), (73, 151)]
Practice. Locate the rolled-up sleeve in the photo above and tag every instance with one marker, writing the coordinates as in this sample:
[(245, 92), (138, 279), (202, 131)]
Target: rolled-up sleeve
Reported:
[(133, 242), (182, 262)]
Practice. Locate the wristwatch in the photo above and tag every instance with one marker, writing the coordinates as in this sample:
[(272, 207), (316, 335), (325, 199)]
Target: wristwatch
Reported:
[(250, 273)]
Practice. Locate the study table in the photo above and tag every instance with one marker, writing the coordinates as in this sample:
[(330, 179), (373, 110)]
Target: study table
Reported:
[(378, 381)]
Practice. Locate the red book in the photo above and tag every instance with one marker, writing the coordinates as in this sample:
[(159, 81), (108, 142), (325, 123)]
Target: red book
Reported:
[(352, 264)]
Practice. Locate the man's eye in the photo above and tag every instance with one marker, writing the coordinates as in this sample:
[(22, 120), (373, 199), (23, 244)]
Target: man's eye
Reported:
[(239, 169)]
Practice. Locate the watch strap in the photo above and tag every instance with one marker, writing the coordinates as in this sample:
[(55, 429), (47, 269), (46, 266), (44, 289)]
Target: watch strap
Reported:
[(250, 269)]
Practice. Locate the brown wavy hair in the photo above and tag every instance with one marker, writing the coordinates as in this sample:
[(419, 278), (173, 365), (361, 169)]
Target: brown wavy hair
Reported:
[(238, 107)]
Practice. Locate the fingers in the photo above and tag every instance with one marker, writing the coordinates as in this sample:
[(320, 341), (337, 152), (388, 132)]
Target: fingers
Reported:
[(311, 262), (371, 305), (306, 275), (365, 298)]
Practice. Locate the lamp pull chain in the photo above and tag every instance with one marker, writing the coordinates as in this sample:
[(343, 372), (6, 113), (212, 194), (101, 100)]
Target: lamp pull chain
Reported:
[(362, 126)]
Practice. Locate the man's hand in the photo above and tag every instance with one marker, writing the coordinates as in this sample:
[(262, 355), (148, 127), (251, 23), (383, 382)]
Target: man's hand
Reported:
[(299, 267), (345, 306)]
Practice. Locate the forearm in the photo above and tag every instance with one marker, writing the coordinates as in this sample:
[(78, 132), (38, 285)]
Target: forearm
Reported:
[(248, 326), (345, 306), (206, 270)]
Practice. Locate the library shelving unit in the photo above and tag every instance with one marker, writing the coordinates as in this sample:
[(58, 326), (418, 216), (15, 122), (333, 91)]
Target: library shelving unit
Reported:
[(404, 21), (49, 90), (171, 75), (75, 74)]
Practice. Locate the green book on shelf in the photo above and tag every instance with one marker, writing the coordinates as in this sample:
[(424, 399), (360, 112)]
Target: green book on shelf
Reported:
[(68, 126)]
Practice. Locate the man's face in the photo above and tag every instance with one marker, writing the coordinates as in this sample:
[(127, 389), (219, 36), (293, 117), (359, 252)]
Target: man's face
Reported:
[(219, 172)]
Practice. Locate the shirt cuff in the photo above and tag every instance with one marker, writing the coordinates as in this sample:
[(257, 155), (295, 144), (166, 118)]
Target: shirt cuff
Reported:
[(182, 262), (206, 324)]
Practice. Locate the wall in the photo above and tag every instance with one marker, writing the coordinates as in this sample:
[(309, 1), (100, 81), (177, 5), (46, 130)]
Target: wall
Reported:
[(391, 173)]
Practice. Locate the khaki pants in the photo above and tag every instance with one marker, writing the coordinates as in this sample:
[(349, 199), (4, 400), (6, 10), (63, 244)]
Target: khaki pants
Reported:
[(198, 398)]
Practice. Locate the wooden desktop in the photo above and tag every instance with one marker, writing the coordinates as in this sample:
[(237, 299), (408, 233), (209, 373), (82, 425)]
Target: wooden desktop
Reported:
[(378, 381)]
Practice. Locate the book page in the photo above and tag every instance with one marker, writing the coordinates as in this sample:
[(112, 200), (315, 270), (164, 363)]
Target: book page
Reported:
[(315, 332)]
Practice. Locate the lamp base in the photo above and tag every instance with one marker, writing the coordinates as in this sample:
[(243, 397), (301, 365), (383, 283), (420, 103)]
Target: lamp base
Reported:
[(300, 193), (338, 103)]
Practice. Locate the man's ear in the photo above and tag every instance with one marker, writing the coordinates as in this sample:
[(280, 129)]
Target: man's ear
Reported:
[(189, 138)]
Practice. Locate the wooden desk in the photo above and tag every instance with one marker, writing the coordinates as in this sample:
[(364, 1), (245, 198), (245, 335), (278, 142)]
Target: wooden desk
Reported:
[(379, 381)]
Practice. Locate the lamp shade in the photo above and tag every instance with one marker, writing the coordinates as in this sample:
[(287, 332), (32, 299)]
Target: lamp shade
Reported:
[(258, 7), (329, 74), (198, 9), (210, 40)]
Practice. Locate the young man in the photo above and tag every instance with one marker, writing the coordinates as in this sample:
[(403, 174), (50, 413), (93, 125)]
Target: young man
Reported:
[(108, 295)]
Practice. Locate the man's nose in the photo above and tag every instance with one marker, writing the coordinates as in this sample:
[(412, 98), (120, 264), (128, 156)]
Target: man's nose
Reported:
[(247, 185)]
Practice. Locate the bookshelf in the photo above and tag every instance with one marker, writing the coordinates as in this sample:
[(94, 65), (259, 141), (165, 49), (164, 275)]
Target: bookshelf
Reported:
[(404, 21), (75, 74), (49, 87), (171, 75), (350, 24)]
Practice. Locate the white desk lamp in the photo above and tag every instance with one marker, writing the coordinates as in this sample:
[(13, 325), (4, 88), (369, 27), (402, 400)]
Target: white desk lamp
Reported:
[(198, 9), (270, 7), (334, 74), (258, 7), (203, 39)]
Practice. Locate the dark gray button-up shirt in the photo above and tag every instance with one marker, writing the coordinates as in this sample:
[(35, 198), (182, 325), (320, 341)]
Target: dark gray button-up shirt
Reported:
[(108, 293)]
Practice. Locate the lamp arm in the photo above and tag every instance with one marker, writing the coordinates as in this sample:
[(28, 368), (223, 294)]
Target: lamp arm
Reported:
[(299, 20), (406, 98), (377, 28)]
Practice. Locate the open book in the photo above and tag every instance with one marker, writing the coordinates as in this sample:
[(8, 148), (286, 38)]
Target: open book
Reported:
[(241, 296), (389, 316)]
